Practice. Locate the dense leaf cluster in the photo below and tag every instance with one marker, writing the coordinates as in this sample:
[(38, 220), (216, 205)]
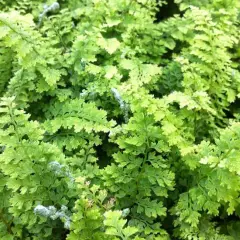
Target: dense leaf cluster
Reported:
[(119, 119)]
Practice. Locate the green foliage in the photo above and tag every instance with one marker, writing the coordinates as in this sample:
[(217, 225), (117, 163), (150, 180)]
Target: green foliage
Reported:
[(26, 170), (215, 188), (87, 220), (119, 119), (115, 226)]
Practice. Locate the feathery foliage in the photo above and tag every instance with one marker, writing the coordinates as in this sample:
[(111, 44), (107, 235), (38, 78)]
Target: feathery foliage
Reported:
[(119, 119)]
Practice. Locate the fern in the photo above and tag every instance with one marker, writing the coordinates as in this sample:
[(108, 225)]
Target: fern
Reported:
[(25, 166), (216, 181), (119, 119), (33, 66)]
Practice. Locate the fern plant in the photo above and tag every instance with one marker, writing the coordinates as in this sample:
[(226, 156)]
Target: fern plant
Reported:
[(29, 171), (119, 119)]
